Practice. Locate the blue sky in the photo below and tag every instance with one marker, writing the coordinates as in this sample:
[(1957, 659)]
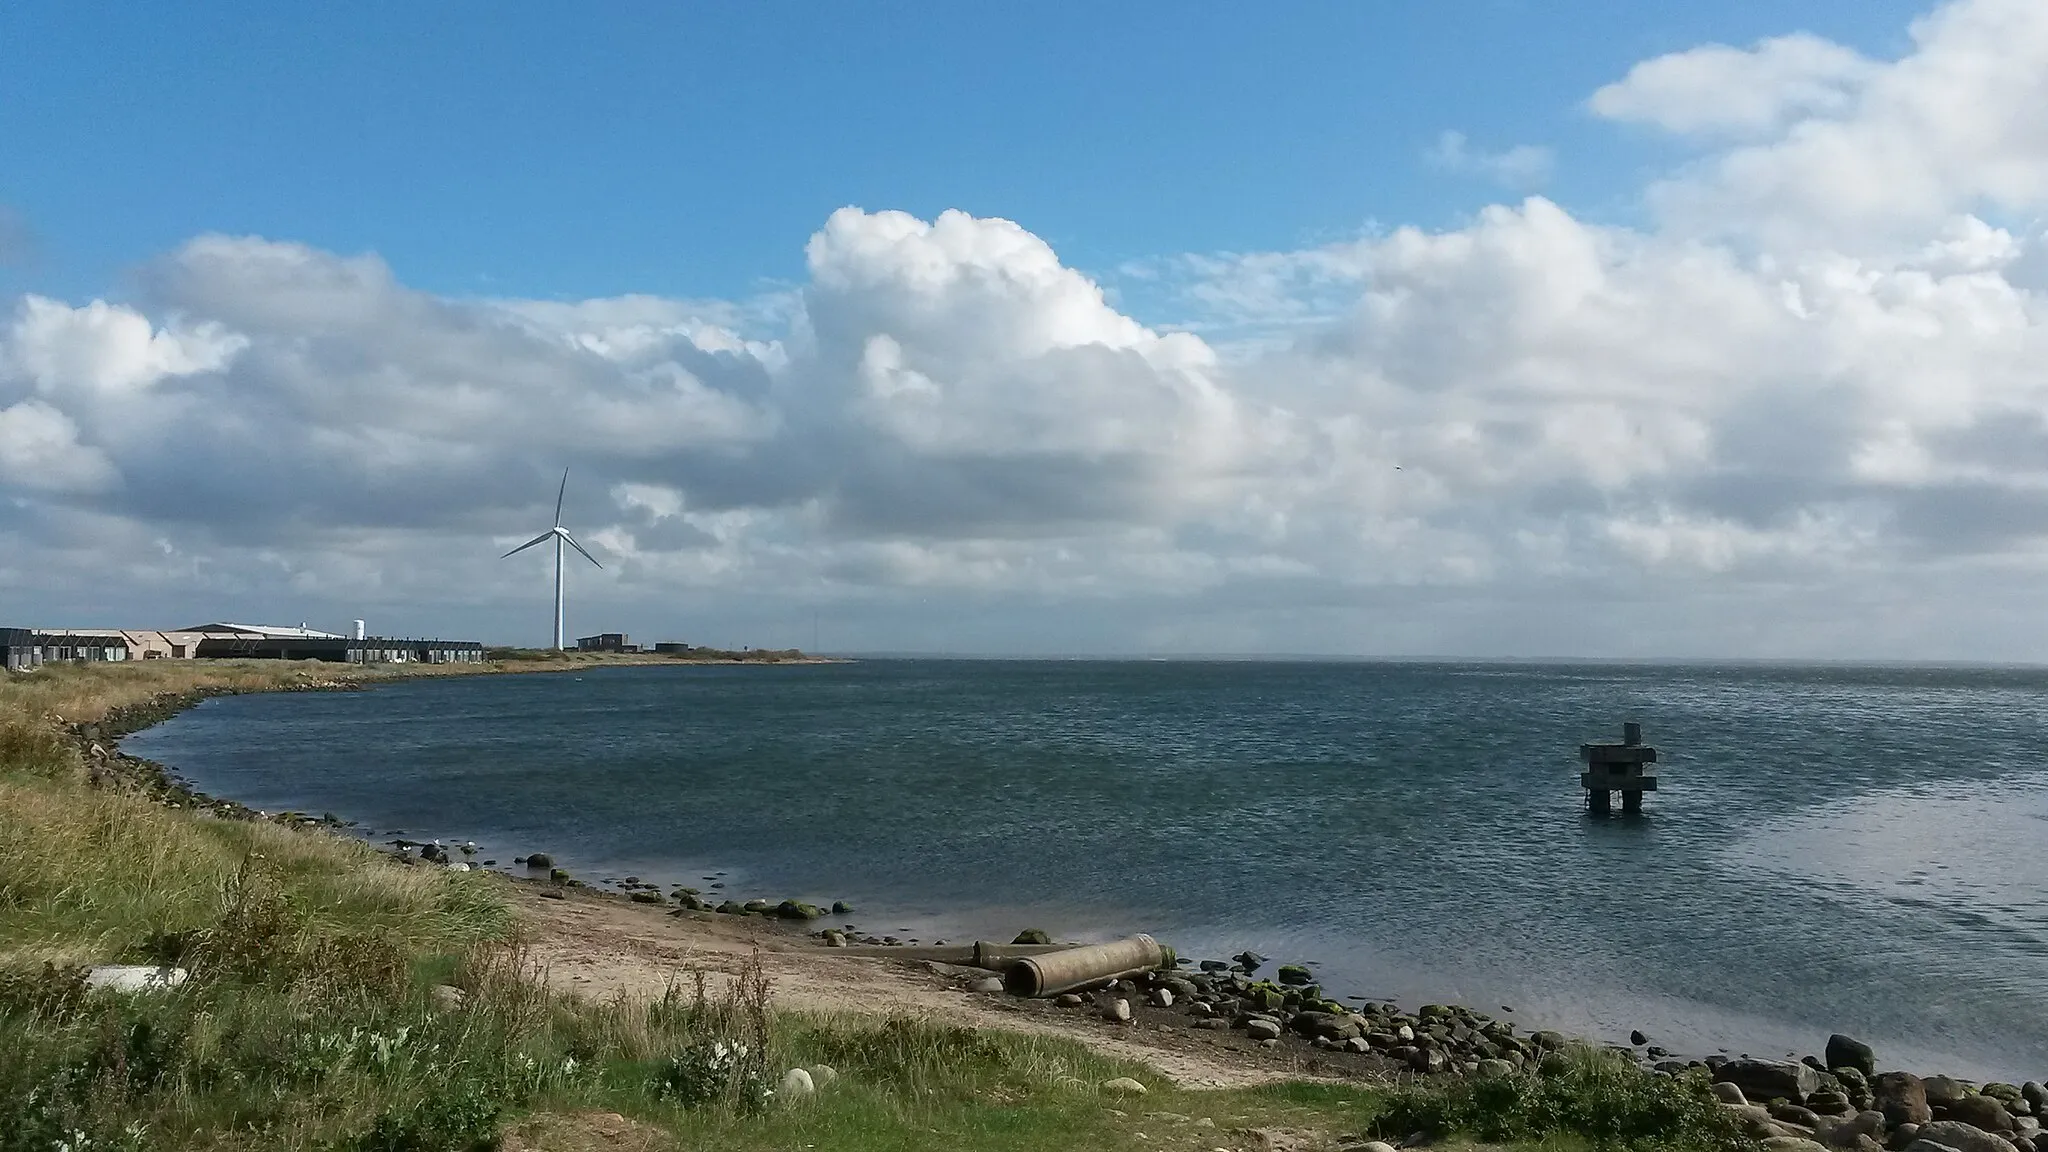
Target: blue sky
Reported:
[(1490, 329), (565, 151)]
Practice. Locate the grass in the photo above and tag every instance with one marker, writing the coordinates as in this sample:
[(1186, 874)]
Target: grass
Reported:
[(318, 1013)]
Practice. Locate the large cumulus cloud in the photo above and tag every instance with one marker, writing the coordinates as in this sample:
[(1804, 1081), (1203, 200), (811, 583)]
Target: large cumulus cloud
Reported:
[(1813, 390)]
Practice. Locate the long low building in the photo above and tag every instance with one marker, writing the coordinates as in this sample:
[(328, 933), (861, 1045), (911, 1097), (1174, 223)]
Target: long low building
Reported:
[(24, 648)]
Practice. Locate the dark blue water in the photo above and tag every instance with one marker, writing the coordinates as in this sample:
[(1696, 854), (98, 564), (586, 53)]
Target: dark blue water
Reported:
[(1862, 850)]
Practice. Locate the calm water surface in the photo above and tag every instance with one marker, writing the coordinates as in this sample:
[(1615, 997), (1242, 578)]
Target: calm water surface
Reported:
[(1862, 850)]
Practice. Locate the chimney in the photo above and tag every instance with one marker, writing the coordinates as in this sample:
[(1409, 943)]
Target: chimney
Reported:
[(359, 629)]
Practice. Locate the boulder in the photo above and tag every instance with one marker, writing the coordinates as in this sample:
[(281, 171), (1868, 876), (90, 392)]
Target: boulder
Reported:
[(2003, 1093), (1961, 1137), (1249, 961), (1943, 1090), (1492, 1069), (1161, 997), (1033, 936), (1795, 1114), (2033, 1093), (1755, 1119), (987, 985), (1262, 1028), (1123, 1086), (796, 910), (796, 1085), (1771, 1079), (1898, 1138), (537, 860), (647, 898), (1793, 1144), (1983, 1112), (833, 937), (841, 908), (1429, 1060), (822, 1075), (1902, 1097), (1830, 1103), (1862, 1126), (1729, 1093), (1069, 1000), (1117, 1011), (1294, 975), (1848, 1052)]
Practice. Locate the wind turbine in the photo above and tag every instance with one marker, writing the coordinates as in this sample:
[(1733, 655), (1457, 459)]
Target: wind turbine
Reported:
[(560, 536)]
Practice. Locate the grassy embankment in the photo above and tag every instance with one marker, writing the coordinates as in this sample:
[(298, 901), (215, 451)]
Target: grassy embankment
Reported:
[(319, 1016)]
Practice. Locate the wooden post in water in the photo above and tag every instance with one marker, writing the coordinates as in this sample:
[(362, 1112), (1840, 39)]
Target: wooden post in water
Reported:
[(1612, 768)]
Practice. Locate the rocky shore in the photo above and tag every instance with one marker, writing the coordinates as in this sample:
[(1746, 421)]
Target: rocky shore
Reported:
[(1838, 1099)]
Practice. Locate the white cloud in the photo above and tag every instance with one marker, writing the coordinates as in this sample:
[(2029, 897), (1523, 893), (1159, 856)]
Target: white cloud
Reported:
[(1719, 90), (1814, 383), (1952, 128), (107, 348), (40, 452), (1522, 167)]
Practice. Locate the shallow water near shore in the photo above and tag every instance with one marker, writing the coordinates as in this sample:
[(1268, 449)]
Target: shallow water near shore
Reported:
[(1836, 849)]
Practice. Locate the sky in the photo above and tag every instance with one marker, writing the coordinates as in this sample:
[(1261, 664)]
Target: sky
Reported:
[(1466, 329)]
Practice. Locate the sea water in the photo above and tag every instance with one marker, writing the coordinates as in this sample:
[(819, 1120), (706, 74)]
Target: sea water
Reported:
[(1861, 850)]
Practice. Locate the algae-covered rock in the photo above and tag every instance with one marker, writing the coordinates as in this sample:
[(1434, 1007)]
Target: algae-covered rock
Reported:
[(540, 860), (841, 908), (1033, 936), (795, 910), (1848, 1052), (733, 908), (558, 875), (1264, 996), (647, 898), (1295, 975)]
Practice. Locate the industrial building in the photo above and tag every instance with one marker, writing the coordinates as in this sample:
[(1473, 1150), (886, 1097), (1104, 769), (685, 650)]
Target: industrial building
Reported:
[(606, 642), (24, 648)]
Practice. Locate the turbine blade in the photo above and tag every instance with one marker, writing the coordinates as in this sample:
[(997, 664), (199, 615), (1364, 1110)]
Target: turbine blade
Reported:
[(529, 544), (564, 491), (576, 546)]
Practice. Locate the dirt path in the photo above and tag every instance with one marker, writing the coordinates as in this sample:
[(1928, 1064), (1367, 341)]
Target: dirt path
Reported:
[(599, 946)]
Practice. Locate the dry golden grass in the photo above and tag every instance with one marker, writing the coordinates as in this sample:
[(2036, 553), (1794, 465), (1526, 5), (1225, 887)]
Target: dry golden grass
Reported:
[(86, 693), (93, 873)]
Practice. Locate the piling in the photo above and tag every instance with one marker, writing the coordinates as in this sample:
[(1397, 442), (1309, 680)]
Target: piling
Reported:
[(1612, 768)]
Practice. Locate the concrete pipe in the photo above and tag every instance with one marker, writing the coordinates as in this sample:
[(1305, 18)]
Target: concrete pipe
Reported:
[(998, 957), (1070, 968)]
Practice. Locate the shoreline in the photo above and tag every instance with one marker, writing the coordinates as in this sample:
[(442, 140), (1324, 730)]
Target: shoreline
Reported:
[(1304, 1041)]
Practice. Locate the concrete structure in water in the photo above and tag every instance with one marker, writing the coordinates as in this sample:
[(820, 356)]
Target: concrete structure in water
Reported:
[(26, 648), (1612, 768)]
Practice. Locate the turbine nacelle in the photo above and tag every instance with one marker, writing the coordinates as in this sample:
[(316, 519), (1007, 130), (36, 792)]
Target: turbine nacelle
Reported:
[(550, 534)]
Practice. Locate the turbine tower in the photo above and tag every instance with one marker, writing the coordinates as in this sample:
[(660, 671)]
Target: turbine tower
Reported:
[(560, 536)]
